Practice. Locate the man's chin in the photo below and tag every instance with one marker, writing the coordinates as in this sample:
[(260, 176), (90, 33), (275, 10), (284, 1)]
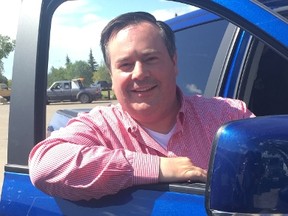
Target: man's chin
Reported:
[(143, 107)]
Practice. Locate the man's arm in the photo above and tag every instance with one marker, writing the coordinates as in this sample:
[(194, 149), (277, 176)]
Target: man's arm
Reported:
[(80, 162), (78, 172)]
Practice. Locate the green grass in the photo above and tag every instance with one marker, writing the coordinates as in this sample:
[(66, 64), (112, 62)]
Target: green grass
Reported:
[(105, 95)]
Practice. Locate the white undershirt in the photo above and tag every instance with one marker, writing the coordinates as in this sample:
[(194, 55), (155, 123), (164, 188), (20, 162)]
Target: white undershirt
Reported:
[(162, 139)]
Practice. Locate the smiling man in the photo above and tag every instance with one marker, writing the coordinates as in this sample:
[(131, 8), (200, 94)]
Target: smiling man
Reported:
[(155, 133), (144, 76)]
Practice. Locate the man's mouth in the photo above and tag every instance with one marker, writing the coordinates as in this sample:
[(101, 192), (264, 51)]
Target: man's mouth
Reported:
[(143, 89)]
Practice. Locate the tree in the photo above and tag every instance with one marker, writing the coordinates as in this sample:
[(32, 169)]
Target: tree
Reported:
[(81, 69), (92, 63), (78, 69), (102, 74), (3, 79), (6, 46), (68, 61), (57, 74)]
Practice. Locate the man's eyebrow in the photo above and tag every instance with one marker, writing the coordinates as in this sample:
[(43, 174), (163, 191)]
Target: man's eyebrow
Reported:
[(122, 59), (144, 53), (150, 51)]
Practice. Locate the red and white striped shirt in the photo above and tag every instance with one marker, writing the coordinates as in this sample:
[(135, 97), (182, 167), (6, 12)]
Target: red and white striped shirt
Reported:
[(104, 151)]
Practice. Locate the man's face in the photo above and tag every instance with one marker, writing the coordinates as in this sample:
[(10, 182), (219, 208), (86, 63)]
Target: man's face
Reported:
[(143, 73)]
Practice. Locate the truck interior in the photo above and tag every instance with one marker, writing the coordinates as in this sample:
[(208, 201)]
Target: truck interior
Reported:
[(266, 82), (269, 94)]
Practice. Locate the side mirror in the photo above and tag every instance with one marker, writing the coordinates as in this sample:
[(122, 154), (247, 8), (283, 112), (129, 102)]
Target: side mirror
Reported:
[(248, 171)]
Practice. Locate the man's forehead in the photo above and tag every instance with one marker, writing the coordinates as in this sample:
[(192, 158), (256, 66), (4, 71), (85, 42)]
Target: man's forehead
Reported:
[(126, 29)]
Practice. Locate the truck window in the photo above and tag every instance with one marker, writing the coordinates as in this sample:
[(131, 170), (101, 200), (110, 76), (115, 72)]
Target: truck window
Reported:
[(196, 51), (57, 86), (269, 95), (263, 85), (66, 86)]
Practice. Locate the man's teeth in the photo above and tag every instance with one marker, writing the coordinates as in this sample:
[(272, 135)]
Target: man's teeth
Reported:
[(143, 89)]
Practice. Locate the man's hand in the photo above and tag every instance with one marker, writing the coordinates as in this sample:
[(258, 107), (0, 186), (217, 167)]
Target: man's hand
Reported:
[(180, 169)]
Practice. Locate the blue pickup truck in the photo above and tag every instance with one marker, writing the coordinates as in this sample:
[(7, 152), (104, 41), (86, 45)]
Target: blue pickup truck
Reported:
[(236, 49)]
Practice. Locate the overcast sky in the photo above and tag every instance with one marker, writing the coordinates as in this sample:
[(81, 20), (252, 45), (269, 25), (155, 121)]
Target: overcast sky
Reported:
[(77, 24)]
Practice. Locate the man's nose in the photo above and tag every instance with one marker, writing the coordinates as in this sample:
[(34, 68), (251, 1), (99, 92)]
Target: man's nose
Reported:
[(140, 71)]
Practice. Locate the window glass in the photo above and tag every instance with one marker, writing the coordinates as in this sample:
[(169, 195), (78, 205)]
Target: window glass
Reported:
[(75, 41), (75, 34), (197, 48)]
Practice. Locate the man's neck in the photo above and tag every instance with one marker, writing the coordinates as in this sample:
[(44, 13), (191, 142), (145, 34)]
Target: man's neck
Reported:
[(166, 121)]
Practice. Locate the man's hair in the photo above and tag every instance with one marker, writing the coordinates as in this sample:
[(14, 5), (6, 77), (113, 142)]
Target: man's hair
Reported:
[(134, 18)]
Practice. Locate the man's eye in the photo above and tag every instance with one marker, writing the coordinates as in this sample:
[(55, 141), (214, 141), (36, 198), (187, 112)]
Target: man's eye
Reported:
[(151, 59), (126, 66)]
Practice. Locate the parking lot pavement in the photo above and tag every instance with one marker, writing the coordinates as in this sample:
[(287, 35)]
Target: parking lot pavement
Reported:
[(51, 109)]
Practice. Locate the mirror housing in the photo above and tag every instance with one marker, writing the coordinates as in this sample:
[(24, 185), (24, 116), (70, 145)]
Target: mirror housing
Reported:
[(248, 171)]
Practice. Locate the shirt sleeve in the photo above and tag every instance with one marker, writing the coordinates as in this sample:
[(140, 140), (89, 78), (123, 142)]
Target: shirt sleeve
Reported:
[(73, 164), (241, 107)]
